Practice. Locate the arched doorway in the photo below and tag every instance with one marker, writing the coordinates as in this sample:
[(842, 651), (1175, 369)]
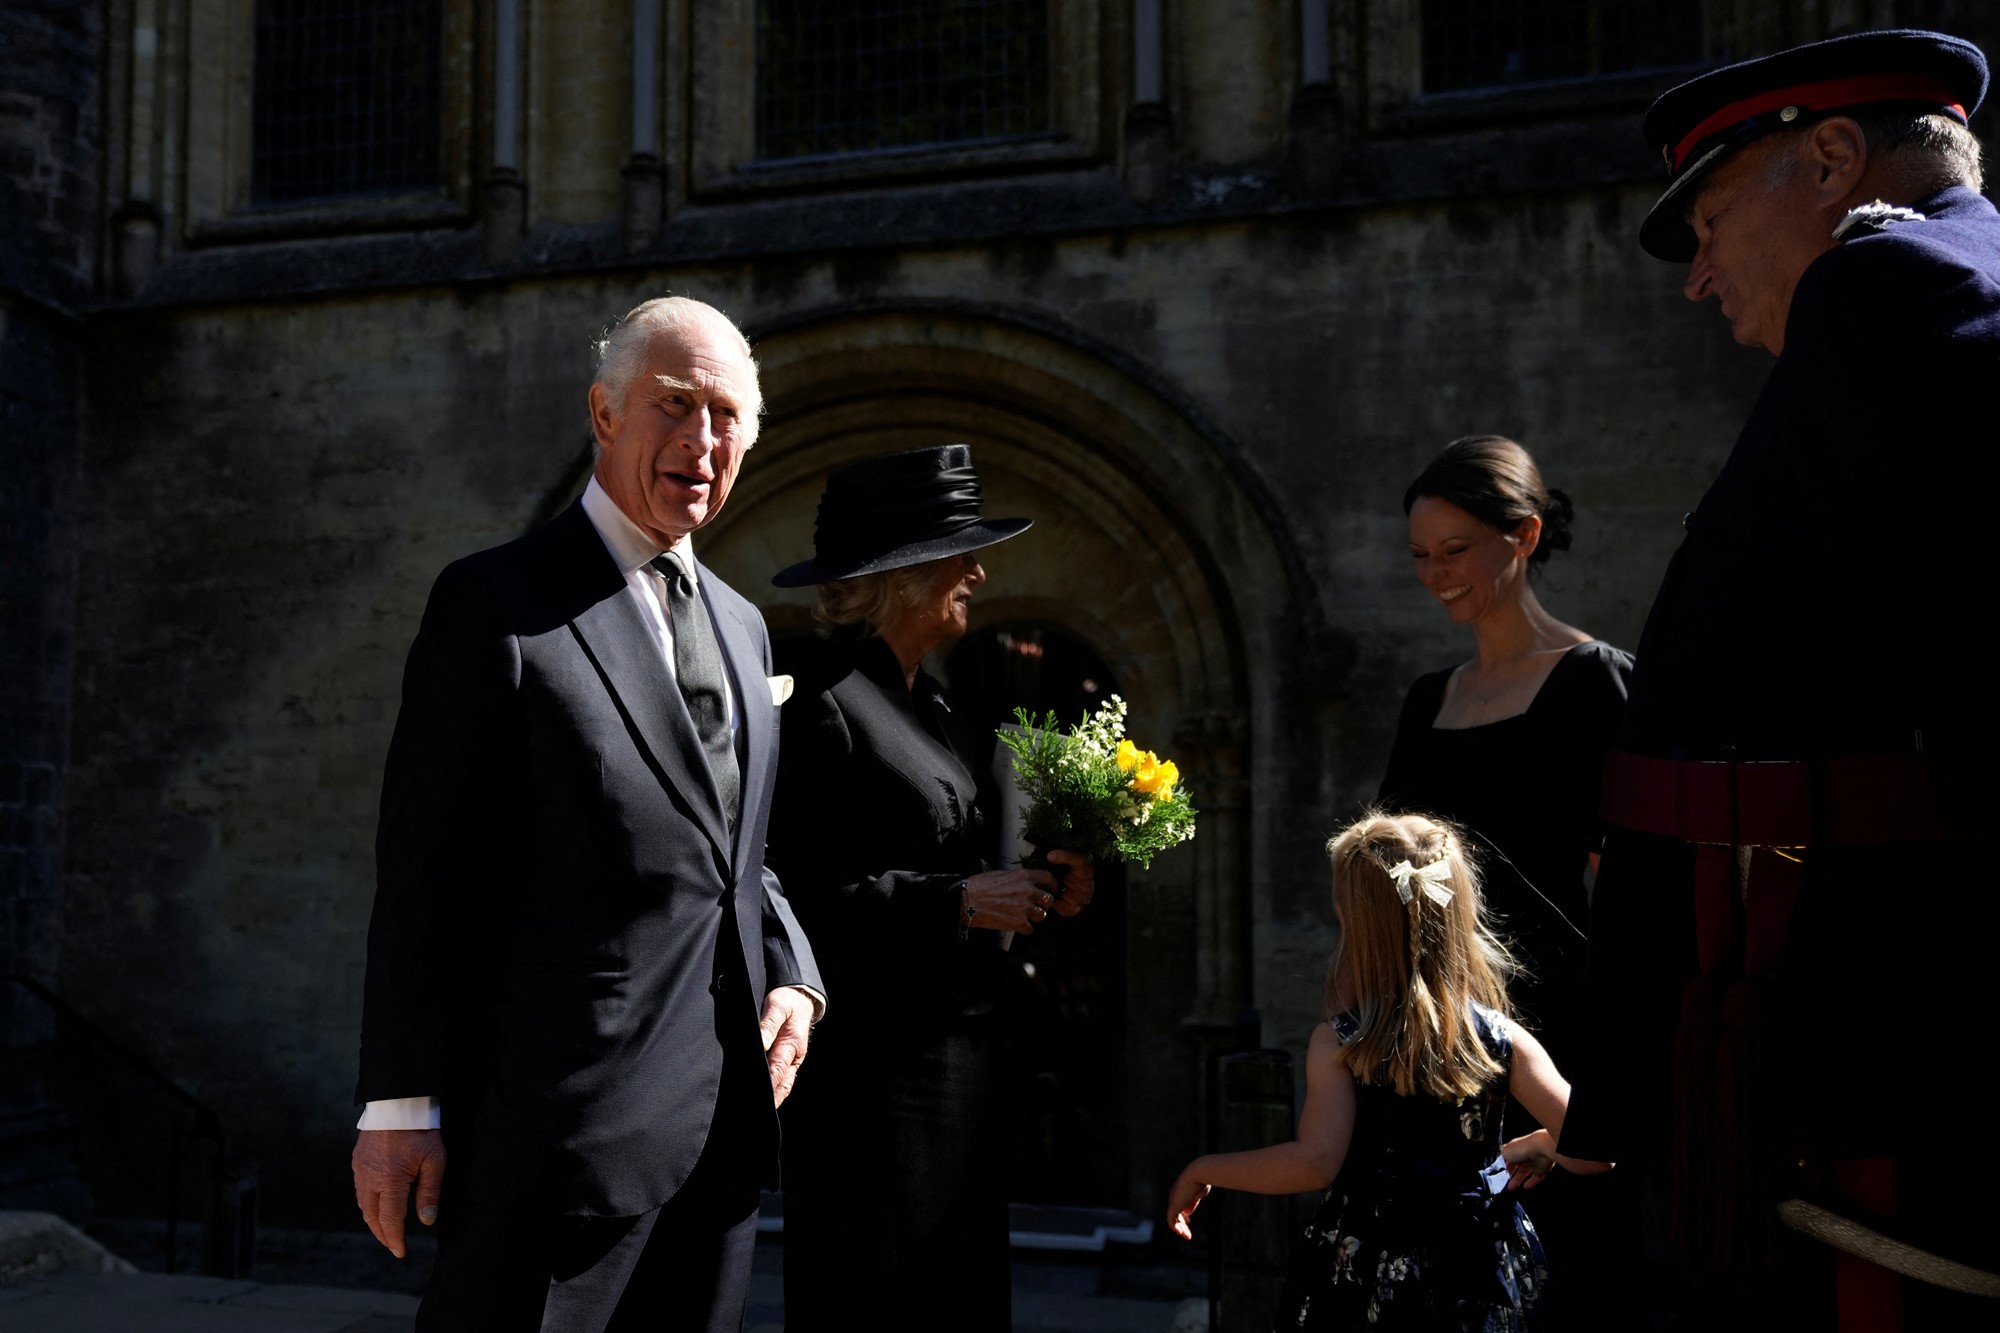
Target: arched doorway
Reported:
[(1067, 1018), (1149, 555)]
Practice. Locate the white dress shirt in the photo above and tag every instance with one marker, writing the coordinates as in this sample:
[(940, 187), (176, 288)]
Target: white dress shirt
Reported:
[(634, 553)]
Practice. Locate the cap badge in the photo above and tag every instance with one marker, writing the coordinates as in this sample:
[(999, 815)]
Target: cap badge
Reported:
[(1789, 114)]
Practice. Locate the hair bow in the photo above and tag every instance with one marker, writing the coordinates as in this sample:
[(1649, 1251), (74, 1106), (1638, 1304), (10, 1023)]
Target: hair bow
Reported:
[(1433, 879)]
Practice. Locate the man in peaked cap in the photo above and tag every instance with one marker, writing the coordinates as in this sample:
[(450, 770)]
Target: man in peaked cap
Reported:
[(1791, 913)]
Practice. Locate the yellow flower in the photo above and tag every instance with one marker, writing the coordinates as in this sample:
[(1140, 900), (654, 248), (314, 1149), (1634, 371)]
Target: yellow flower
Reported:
[(1128, 756), (1155, 777)]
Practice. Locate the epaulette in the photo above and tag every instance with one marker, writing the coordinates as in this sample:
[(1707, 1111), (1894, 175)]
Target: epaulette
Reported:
[(1877, 216)]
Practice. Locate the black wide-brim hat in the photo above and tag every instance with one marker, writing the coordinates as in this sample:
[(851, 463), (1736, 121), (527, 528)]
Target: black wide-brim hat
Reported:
[(895, 511), (1697, 125)]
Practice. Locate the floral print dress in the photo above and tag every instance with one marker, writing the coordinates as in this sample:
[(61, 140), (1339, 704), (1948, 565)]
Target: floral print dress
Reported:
[(1409, 1235)]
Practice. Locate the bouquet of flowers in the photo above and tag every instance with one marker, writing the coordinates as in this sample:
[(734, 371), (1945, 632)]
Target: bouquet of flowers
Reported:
[(1095, 792)]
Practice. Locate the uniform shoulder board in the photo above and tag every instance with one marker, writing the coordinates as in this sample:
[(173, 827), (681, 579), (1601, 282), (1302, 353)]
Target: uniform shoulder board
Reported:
[(1877, 216)]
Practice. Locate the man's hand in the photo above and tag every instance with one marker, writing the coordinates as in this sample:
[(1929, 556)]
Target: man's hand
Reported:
[(787, 1030), (385, 1162), (1079, 882)]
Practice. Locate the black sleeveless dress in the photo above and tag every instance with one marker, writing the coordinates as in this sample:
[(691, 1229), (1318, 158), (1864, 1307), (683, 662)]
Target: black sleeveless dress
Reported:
[(1526, 789), (1410, 1235)]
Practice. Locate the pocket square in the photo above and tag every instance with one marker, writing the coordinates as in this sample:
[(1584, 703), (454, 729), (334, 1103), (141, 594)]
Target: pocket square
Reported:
[(781, 689)]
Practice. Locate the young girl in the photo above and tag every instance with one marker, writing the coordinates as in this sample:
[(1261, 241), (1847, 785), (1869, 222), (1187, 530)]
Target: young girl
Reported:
[(1405, 1084)]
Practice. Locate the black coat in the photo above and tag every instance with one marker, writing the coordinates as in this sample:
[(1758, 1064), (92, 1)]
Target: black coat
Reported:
[(566, 934), (878, 816), (895, 1137)]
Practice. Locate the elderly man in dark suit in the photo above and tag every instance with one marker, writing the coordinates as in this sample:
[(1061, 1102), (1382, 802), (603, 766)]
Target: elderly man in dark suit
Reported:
[(1789, 968), (582, 981)]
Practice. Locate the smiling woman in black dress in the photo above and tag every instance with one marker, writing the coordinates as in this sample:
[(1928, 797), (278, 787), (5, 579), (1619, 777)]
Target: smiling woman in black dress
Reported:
[(1510, 745)]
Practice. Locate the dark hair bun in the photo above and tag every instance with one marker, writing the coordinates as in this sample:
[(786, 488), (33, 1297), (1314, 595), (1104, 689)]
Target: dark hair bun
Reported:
[(1496, 481), (1558, 517)]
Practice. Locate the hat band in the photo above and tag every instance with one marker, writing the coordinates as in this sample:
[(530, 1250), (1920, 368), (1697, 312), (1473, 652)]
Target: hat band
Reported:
[(1859, 90), (896, 514)]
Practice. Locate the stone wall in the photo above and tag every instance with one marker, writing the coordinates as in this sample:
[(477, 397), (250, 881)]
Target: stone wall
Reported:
[(48, 205)]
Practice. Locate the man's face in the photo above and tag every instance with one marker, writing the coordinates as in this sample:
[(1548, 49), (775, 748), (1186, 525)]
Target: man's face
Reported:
[(669, 452), (1755, 240)]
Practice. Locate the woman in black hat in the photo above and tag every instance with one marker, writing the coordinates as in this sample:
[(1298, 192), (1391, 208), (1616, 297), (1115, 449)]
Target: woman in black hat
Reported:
[(895, 1138)]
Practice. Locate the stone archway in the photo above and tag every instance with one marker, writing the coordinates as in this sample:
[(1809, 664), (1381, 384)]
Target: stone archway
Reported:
[(1148, 546)]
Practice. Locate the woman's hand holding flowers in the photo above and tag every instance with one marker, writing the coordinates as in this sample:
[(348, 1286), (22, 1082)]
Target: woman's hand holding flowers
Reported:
[(1013, 900), (1079, 882)]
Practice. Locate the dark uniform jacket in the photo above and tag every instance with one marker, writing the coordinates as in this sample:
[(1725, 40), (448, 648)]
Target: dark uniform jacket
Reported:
[(569, 934), (1802, 615), (1818, 608)]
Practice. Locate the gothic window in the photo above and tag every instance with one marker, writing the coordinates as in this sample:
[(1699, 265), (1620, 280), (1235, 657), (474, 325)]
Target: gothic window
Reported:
[(1502, 43), (859, 76), (346, 100)]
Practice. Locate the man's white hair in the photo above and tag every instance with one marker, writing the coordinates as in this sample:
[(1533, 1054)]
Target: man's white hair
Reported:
[(621, 351), (1927, 151)]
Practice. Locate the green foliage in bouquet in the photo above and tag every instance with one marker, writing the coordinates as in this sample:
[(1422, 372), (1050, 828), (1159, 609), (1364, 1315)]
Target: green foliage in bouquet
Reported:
[(1095, 792)]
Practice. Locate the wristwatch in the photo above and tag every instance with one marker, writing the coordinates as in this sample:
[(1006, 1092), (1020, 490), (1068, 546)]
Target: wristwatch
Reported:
[(966, 910)]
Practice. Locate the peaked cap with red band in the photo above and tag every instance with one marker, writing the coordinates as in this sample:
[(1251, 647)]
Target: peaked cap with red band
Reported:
[(1697, 125)]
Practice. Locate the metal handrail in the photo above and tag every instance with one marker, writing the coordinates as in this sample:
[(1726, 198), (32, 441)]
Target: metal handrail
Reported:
[(208, 1125)]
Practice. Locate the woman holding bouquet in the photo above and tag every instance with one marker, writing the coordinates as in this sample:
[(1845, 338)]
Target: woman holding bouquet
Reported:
[(895, 1145)]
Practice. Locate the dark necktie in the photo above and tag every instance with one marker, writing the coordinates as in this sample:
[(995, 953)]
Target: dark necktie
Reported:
[(698, 664)]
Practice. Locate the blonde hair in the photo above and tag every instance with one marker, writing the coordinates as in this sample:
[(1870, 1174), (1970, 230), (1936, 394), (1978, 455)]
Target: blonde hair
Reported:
[(1414, 968), (877, 599)]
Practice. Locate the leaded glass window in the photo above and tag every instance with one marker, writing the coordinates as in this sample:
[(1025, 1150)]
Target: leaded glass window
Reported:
[(347, 99), (862, 76), (1499, 43)]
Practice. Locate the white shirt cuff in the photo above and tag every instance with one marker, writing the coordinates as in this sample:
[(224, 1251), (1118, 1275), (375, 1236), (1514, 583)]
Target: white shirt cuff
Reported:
[(819, 1001), (403, 1113)]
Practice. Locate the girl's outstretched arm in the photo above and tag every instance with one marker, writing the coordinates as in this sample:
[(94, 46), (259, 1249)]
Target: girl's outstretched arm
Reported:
[(1308, 1162), (1538, 1085)]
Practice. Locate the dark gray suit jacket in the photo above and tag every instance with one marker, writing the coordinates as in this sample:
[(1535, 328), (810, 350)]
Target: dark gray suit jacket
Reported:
[(567, 933)]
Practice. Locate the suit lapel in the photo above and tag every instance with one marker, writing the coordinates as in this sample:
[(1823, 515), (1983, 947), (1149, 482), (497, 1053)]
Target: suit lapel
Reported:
[(753, 715), (615, 636)]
